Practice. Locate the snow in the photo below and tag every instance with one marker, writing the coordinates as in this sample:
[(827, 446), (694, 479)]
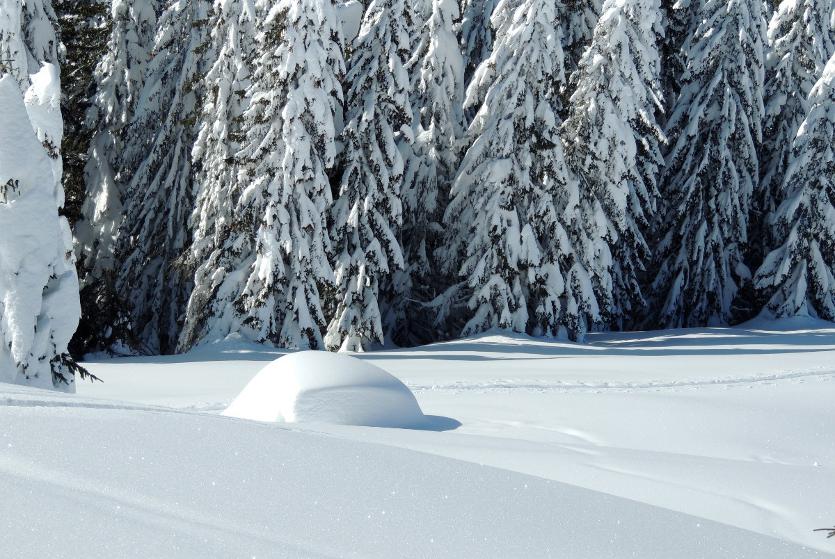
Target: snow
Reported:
[(315, 386), (350, 15), (365, 218), (38, 288), (195, 485), (43, 104), (729, 425)]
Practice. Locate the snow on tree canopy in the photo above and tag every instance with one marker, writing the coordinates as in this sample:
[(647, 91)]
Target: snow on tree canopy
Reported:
[(712, 169), (437, 72), (322, 387), (802, 38), (368, 213), (39, 306), (512, 241), (475, 33), (799, 275), (613, 143), (158, 198), (118, 80), (579, 18), (350, 15), (261, 237)]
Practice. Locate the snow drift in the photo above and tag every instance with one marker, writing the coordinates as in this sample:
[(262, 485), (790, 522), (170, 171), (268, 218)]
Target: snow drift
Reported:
[(322, 387)]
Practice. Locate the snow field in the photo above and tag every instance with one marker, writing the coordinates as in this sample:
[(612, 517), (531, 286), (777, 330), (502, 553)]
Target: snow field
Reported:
[(727, 424), (162, 483)]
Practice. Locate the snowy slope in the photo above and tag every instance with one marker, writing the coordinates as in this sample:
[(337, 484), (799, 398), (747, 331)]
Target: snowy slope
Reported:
[(731, 425), (162, 483)]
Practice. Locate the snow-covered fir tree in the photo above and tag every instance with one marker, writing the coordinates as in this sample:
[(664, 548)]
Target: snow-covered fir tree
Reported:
[(508, 241), (85, 30), (216, 217), (39, 308), (269, 258), (431, 161), (712, 167), (802, 38), (475, 33), (477, 79), (679, 24), (579, 18), (368, 212), (798, 277), (118, 79), (613, 143), (158, 199), (28, 38)]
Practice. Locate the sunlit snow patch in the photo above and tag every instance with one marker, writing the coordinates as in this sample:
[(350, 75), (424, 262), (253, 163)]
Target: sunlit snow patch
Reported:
[(322, 387)]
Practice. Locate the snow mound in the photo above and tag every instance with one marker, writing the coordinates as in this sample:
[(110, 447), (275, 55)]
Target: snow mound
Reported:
[(323, 387)]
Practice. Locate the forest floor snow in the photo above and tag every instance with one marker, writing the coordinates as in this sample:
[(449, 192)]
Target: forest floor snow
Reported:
[(715, 442)]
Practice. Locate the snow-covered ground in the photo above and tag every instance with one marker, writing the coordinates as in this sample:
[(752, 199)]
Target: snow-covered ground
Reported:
[(693, 443)]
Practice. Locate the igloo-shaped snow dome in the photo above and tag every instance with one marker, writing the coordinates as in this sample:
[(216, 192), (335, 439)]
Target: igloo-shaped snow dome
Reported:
[(323, 387)]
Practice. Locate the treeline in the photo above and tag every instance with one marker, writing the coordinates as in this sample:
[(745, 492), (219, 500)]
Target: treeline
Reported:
[(324, 175)]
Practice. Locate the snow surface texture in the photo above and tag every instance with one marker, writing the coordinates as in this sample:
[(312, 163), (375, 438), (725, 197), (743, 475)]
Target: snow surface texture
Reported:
[(728, 425), (191, 485), (315, 386)]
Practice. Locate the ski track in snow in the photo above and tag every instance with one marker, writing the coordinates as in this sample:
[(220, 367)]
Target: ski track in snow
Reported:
[(549, 386), (497, 385)]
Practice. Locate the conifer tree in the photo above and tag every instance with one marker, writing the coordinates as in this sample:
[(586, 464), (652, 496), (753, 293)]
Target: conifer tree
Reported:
[(85, 30), (270, 256), (39, 306), (712, 167), (475, 34), (158, 199), (38, 287), (798, 277), (216, 221), (117, 81), (430, 165), (368, 212), (802, 38), (512, 235), (679, 24), (613, 143), (579, 18), (119, 77)]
